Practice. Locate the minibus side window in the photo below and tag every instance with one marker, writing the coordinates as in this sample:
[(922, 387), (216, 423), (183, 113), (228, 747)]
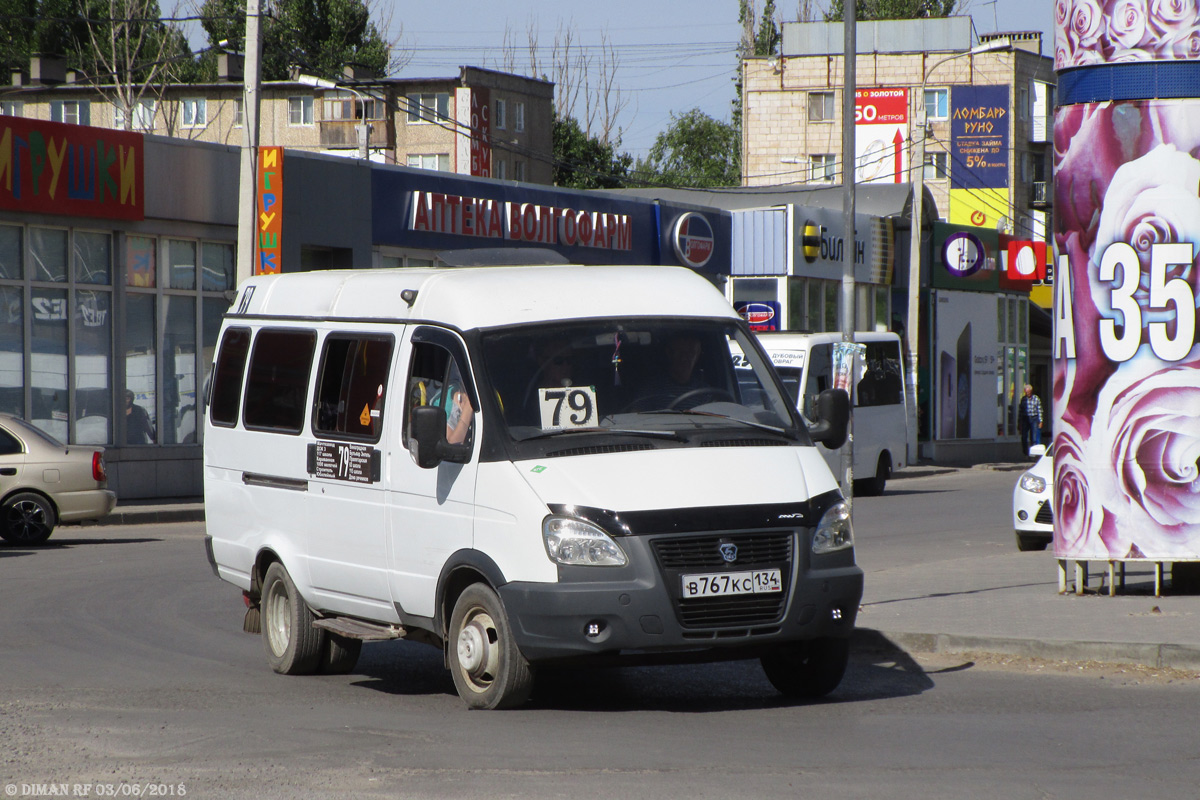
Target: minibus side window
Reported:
[(435, 379), (227, 378), (882, 384), (277, 381), (352, 386)]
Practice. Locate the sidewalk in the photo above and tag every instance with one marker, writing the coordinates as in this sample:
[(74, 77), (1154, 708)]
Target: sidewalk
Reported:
[(1006, 603)]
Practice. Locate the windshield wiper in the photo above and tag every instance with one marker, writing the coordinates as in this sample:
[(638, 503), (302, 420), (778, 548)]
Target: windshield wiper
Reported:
[(672, 435), (692, 412)]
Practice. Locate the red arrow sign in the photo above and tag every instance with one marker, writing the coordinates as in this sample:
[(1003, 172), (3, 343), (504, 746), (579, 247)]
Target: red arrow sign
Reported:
[(897, 142)]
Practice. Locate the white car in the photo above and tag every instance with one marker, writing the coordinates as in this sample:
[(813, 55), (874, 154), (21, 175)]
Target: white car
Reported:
[(1033, 502)]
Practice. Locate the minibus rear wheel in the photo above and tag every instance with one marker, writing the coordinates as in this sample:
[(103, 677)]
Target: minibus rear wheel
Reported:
[(808, 669), (488, 669), (293, 645)]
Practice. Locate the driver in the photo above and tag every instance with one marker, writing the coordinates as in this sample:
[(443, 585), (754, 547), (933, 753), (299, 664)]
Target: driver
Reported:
[(679, 375)]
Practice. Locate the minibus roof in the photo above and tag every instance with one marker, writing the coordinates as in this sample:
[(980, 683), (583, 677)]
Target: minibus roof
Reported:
[(483, 297)]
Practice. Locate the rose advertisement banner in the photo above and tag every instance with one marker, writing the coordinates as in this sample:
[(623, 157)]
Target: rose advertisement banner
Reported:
[(1126, 369)]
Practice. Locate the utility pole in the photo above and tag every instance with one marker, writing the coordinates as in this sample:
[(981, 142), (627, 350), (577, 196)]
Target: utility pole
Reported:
[(247, 207), (849, 165)]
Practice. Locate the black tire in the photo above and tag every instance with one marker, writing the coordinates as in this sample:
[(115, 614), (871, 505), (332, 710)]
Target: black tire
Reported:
[(28, 519), (293, 645), (1028, 544), (874, 486), (339, 655), (488, 669), (808, 669)]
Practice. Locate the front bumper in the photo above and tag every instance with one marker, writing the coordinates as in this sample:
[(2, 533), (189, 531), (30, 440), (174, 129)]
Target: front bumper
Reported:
[(638, 610)]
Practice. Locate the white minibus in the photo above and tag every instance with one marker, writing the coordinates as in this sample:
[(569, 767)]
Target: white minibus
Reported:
[(880, 430), (521, 466)]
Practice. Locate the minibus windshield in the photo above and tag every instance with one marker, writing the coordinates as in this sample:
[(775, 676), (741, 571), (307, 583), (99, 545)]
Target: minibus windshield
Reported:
[(672, 381)]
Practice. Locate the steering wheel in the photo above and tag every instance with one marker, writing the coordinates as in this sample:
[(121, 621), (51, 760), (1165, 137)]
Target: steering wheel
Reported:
[(711, 391)]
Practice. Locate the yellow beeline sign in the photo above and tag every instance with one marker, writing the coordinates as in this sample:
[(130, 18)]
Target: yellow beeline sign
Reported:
[(981, 208)]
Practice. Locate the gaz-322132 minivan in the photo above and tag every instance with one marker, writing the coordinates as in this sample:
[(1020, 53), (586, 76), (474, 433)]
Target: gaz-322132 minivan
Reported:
[(522, 466)]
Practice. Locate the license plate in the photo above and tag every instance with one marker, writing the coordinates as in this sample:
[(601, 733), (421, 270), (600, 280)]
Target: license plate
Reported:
[(723, 584)]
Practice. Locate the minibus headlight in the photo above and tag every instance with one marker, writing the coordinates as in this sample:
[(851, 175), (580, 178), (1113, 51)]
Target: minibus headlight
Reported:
[(834, 531), (578, 543)]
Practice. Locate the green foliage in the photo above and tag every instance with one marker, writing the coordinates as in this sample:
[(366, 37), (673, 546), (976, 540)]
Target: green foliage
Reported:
[(695, 150), (892, 9), (16, 33), (319, 36), (585, 162), (761, 42)]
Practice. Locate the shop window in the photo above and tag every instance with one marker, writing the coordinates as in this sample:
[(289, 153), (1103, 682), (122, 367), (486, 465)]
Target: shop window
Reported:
[(227, 376), (219, 266), (140, 399), (141, 261), (48, 254), (49, 318), (352, 386), (180, 408), (277, 380), (12, 257), (92, 257), (12, 350), (92, 366), (180, 272)]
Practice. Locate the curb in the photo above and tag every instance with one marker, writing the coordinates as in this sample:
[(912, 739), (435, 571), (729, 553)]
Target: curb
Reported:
[(1158, 656), (140, 516)]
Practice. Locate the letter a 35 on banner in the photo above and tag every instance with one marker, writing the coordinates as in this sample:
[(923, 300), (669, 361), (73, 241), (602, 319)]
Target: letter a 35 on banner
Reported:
[(269, 220)]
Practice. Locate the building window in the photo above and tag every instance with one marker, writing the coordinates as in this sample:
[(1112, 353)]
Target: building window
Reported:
[(500, 119), (300, 111), (239, 113), (1023, 103), (519, 117), (11, 108), (430, 107), (437, 161), (500, 170), (347, 106), (518, 170), (936, 166), (194, 111), (143, 116), (820, 106), (937, 103), (76, 112), (824, 168)]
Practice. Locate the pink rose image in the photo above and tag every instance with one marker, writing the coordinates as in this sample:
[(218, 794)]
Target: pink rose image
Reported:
[(1182, 45), (1150, 200), (1127, 24), (1174, 122), (1147, 428), (1078, 516), (1090, 368), (1087, 23), (1172, 16)]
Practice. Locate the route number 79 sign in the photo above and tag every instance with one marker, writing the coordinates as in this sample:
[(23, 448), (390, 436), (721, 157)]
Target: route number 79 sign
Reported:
[(568, 407)]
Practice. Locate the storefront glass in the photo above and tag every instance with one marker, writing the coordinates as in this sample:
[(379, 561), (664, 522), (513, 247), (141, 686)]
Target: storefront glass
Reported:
[(92, 367), (48, 361), (11, 256), (141, 393), (179, 406), (12, 350), (48, 254)]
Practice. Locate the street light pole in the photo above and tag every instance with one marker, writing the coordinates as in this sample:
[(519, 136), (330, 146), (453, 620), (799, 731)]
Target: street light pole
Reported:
[(364, 129), (247, 207), (914, 247)]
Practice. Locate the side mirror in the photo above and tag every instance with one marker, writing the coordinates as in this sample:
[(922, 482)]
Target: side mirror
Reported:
[(1037, 450), (427, 439), (833, 418)]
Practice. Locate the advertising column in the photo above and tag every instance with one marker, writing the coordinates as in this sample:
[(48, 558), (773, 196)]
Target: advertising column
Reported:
[(1127, 219)]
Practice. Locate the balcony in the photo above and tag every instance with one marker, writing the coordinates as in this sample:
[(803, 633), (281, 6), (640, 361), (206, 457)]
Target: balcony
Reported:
[(1040, 194), (339, 133)]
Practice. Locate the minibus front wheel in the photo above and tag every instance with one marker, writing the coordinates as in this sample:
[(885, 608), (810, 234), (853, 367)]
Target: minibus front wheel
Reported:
[(488, 669), (293, 645), (809, 669)]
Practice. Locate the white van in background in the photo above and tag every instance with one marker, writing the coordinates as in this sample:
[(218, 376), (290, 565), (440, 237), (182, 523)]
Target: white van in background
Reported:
[(805, 363), (522, 466)]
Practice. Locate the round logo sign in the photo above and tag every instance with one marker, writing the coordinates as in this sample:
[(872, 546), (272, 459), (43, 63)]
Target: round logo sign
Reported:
[(757, 313), (811, 241), (963, 254), (694, 240)]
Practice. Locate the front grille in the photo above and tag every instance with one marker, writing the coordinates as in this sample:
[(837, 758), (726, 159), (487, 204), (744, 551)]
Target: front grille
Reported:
[(1045, 514), (598, 449), (681, 555), (753, 550), (746, 443)]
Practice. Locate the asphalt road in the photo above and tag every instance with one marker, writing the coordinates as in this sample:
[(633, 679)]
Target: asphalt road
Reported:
[(126, 673)]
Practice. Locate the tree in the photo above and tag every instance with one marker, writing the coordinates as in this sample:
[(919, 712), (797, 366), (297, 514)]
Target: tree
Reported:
[(760, 37), (694, 150), (586, 162), (319, 36), (892, 9)]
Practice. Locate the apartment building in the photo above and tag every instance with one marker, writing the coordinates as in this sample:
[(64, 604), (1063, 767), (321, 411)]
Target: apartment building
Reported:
[(481, 122), (989, 116)]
